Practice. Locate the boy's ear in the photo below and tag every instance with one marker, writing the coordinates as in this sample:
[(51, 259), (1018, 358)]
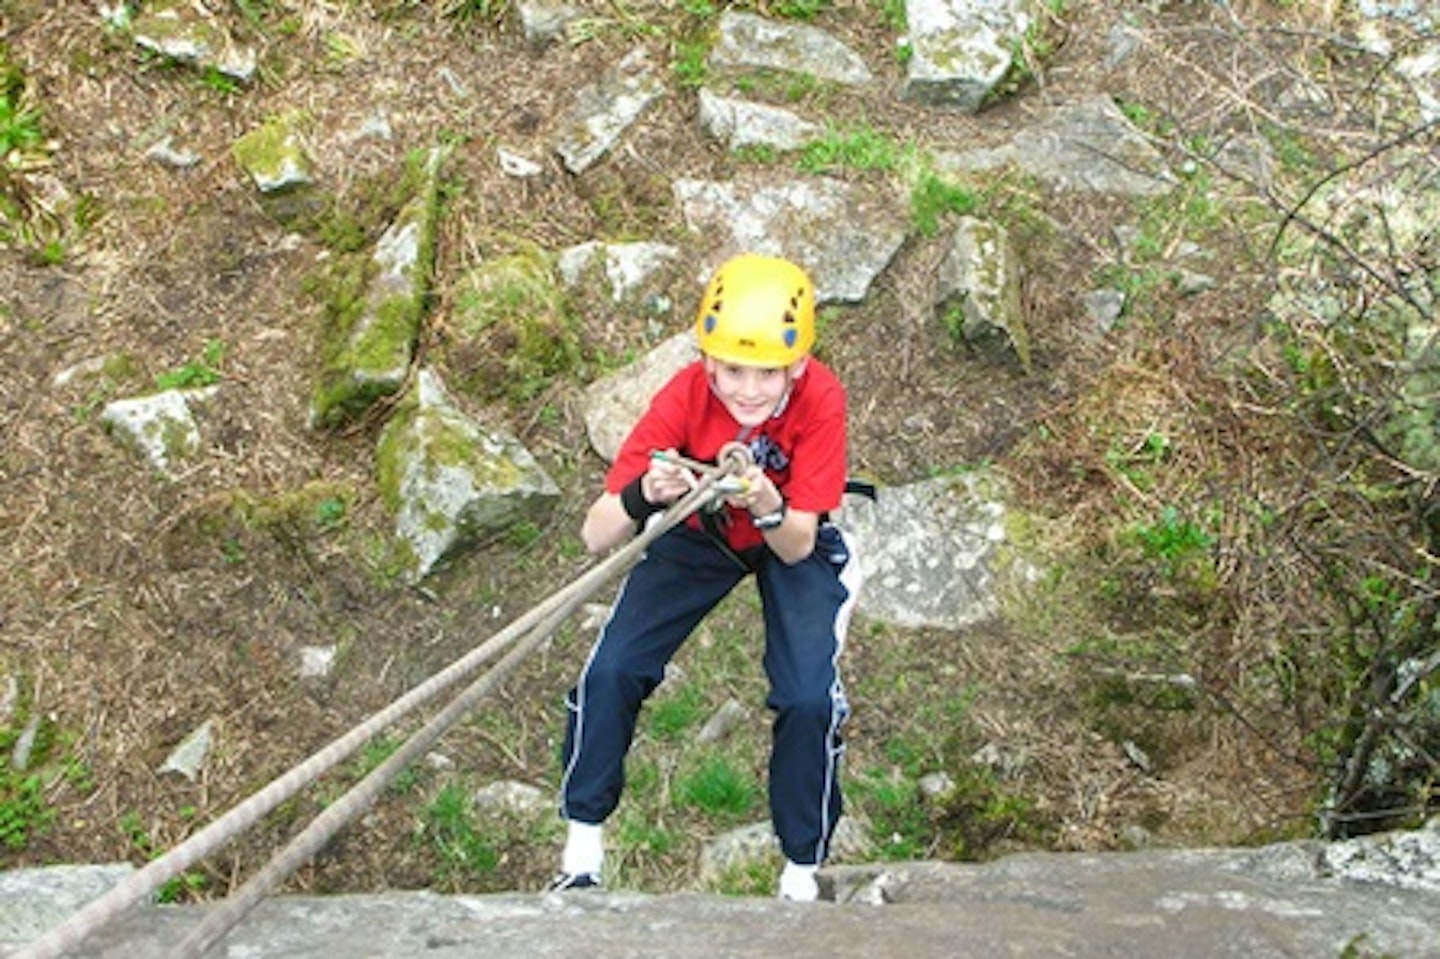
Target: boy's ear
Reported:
[(797, 369)]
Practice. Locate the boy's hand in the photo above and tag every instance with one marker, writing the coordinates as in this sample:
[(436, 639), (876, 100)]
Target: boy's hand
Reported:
[(666, 480), (760, 495)]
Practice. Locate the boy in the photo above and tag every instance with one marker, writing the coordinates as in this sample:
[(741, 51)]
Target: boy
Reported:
[(755, 384)]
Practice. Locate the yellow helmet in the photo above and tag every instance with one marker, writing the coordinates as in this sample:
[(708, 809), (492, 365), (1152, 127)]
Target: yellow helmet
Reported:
[(757, 311)]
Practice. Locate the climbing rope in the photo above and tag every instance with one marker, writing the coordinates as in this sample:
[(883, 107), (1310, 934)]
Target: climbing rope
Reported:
[(527, 632)]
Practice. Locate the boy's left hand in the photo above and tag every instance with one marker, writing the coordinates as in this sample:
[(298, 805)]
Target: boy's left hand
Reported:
[(760, 495)]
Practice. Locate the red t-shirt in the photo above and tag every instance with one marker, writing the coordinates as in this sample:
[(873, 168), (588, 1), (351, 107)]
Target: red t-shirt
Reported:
[(802, 450)]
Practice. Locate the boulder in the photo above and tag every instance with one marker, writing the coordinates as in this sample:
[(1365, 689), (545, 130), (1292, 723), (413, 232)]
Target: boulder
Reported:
[(603, 112), (960, 50), (161, 427), (451, 482), (369, 358), (750, 41), (928, 550), (844, 234)]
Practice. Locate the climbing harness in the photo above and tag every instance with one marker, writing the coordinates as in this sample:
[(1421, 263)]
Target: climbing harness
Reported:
[(526, 633)]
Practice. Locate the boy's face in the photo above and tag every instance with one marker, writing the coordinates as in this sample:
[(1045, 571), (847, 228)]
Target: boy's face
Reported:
[(751, 393)]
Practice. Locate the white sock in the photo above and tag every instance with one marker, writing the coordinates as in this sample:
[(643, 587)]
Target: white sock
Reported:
[(798, 882), (584, 848)]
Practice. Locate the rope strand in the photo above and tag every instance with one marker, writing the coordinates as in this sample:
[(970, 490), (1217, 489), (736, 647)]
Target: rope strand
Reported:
[(533, 626), (360, 797)]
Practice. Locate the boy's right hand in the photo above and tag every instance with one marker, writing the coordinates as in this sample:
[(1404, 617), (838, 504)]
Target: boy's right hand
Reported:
[(666, 480)]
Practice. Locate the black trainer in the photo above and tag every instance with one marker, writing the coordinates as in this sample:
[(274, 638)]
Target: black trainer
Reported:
[(573, 880)]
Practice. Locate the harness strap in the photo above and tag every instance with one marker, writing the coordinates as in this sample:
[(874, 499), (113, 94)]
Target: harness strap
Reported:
[(861, 488), (747, 560)]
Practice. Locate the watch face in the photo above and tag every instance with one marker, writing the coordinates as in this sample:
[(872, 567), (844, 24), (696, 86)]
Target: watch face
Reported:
[(770, 520)]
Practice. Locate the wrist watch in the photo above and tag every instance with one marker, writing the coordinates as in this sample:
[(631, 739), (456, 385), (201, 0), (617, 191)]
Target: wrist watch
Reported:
[(772, 519)]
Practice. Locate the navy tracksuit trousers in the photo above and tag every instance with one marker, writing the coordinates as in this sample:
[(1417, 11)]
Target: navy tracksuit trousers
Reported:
[(682, 576)]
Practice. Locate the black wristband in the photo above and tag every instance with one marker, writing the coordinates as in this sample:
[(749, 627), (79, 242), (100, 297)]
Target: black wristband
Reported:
[(771, 520), (637, 507)]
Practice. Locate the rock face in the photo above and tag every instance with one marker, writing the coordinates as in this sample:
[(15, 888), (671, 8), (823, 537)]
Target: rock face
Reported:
[(928, 550), (161, 427), (603, 112), (1254, 904), (960, 49), (615, 402), (842, 233), (1086, 145), (750, 41), (451, 481), (371, 358)]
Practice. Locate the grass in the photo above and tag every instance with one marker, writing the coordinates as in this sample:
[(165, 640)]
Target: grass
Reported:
[(932, 198), (1114, 500), (515, 329), (24, 813), (198, 373), (27, 219), (859, 148), (716, 787), (180, 888), (785, 86), (751, 878), (19, 124), (453, 830), (900, 826), (802, 10), (689, 64), (672, 717), (1171, 537)]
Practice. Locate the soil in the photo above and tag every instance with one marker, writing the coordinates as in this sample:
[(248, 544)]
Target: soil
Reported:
[(135, 608)]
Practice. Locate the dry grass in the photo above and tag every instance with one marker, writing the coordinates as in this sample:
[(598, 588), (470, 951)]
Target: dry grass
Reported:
[(135, 608)]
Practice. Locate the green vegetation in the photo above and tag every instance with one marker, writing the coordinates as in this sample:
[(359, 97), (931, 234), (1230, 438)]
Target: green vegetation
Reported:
[(115, 373), (1172, 538), (932, 198), (451, 827), (220, 83), (233, 527), (19, 118), (23, 810), (900, 824), (982, 815), (716, 787), (1138, 463), (749, 878), (493, 11), (1030, 53), (622, 25), (1220, 541), (856, 149), (894, 14), (689, 64), (202, 372), (785, 86), (514, 329), (182, 888), (802, 10), (673, 717), (33, 217)]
